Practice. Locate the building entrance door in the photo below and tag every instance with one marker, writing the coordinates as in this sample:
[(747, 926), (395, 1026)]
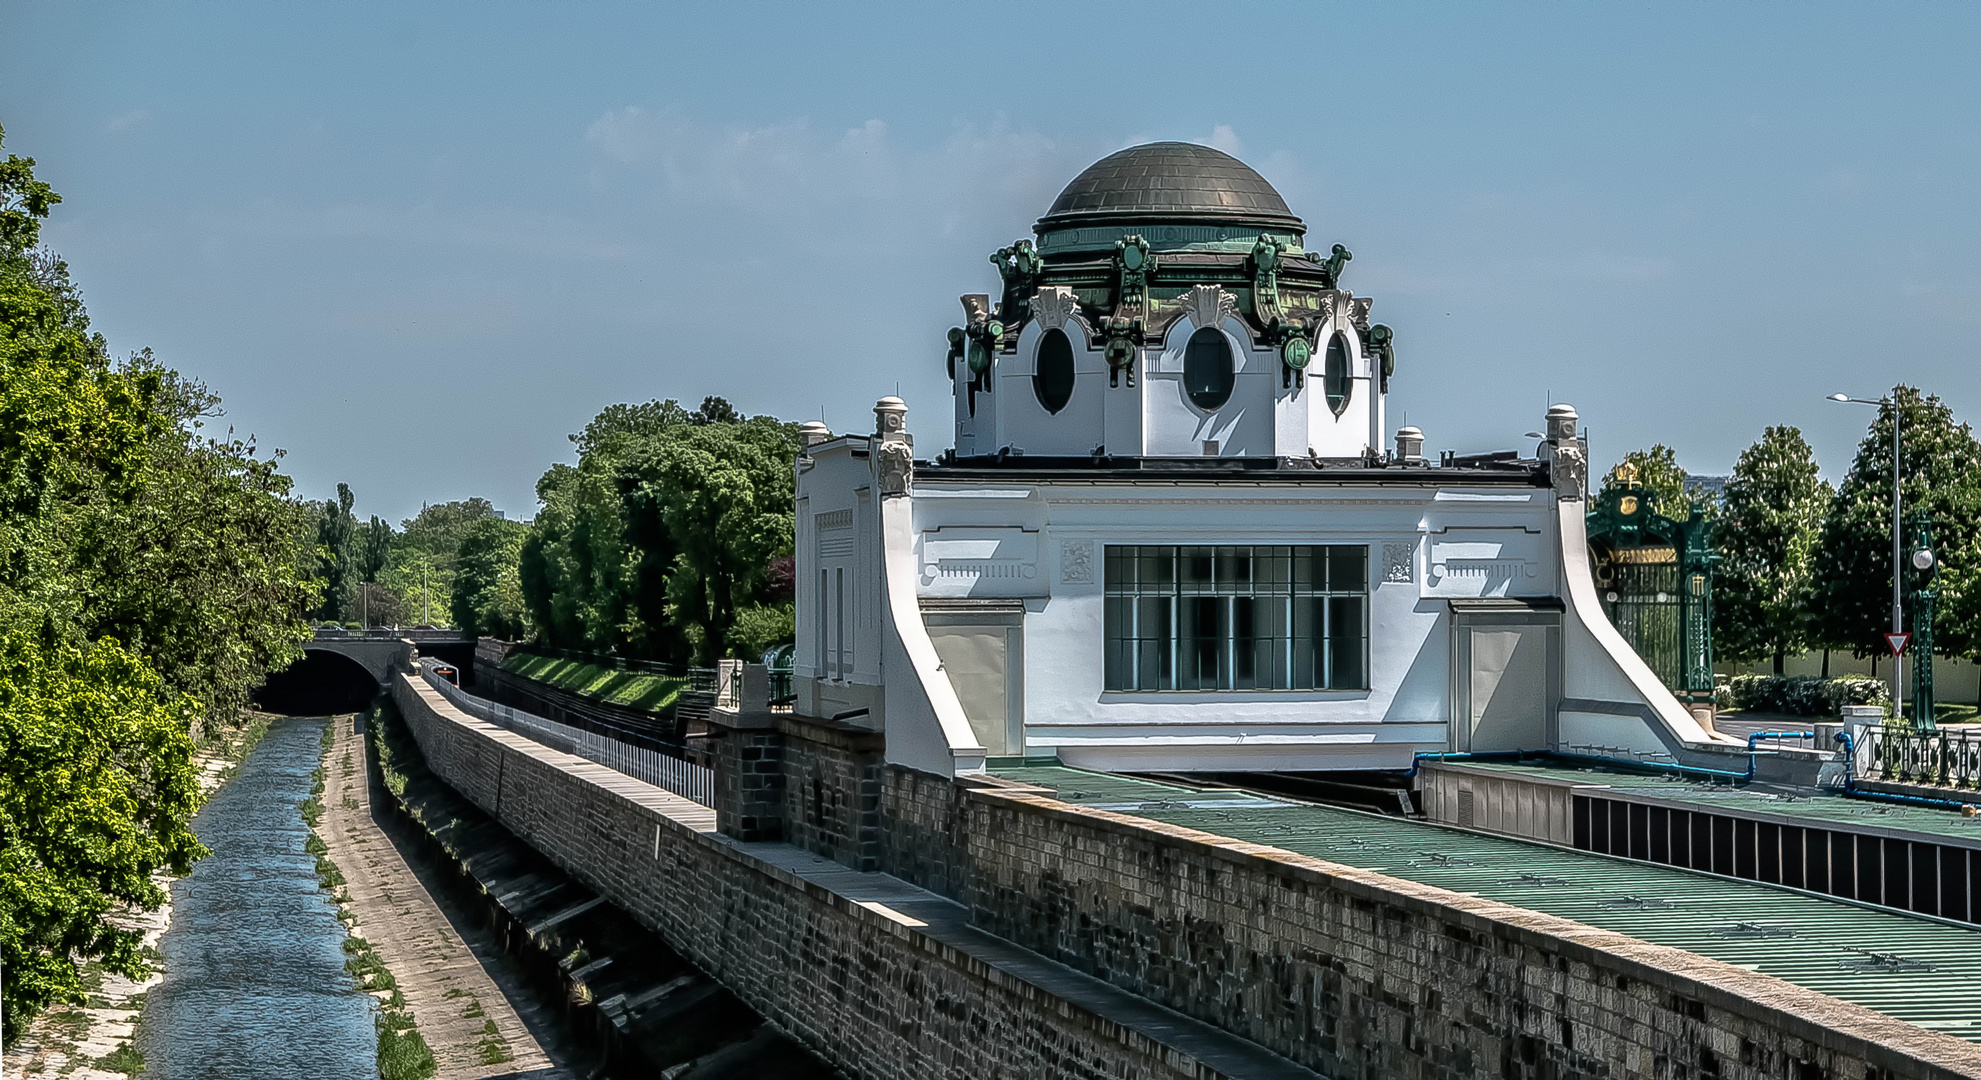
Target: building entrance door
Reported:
[(982, 648), (1505, 675)]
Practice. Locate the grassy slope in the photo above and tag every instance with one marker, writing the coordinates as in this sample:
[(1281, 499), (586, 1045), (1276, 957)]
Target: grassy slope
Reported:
[(630, 688)]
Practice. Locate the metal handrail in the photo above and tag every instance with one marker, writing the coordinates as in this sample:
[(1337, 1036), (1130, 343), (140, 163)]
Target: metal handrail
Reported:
[(611, 660), (1937, 759), (659, 767), (380, 633)]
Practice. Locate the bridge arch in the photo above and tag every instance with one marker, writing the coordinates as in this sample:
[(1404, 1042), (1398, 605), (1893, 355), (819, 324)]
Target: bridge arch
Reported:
[(323, 681)]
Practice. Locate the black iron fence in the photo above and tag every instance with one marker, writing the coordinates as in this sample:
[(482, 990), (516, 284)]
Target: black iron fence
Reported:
[(607, 660), (379, 633), (704, 687), (1941, 758)]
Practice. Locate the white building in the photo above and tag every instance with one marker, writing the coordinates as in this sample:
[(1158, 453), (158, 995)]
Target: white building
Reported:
[(1171, 534)]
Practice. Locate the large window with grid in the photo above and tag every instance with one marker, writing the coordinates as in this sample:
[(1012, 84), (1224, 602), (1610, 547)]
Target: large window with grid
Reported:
[(1238, 618)]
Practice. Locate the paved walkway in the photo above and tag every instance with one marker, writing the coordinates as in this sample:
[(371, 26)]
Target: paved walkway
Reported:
[(468, 1001)]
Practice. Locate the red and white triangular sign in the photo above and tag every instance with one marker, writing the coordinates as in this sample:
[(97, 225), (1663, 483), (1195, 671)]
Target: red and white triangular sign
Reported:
[(1898, 643)]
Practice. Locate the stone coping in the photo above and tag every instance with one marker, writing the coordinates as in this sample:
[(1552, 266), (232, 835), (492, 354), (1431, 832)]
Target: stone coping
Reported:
[(837, 734)]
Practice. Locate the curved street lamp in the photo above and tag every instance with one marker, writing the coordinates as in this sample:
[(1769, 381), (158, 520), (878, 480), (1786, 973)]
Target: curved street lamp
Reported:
[(1898, 542)]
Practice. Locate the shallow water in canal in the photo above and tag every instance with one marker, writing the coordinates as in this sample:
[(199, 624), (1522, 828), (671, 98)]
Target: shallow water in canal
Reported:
[(254, 961)]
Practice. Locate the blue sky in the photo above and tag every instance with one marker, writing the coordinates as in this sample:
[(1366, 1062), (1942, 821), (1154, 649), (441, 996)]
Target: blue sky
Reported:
[(416, 245)]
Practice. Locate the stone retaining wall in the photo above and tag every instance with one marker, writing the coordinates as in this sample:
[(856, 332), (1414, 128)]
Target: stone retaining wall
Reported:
[(861, 987), (1358, 975), (832, 791), (1349, 972)]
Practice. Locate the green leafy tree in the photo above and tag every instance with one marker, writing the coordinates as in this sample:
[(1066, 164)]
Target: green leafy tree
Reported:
[(199, 572), (1940, 472), (149, 576), (337, 554), (488, 598), (1657, 475), (1767, 529), (574, 565), (661, 534), (724, 491), (374, 548), (421, 566), (760, 626), (97, 792)]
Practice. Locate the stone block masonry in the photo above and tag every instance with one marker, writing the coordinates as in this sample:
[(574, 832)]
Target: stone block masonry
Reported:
[(1361, 976), (832, 791), (881, 979), (1346, 972)]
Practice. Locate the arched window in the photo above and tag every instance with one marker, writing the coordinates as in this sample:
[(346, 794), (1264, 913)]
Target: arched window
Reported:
[(1052, 378), (1334, 374), (1207, 369)]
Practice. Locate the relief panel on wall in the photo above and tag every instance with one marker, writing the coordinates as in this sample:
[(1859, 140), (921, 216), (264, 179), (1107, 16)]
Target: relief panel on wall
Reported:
[(979, 561), (1486, 562)]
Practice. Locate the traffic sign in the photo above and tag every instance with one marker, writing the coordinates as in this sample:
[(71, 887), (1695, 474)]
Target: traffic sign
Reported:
[(1897, 643)]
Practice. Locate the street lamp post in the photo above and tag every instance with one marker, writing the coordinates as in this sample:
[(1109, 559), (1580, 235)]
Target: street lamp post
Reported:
[(1898, 545)]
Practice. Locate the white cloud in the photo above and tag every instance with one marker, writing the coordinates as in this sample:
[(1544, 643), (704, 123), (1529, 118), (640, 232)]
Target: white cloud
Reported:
[(862, 176), (1225, 139), (117, 125)]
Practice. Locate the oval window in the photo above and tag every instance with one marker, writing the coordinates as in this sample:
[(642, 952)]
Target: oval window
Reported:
[(1207, 369), (1334, 374), (1052, 377)]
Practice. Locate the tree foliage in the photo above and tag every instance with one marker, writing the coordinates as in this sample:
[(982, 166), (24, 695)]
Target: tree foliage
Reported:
[(668, 527), (97, 791), (1940, 473), (1770, 519), (1657, 475), (488, 597), (372, 573), (150, 576)]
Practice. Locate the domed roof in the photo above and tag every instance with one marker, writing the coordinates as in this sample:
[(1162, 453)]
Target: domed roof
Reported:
[(1170, 182)]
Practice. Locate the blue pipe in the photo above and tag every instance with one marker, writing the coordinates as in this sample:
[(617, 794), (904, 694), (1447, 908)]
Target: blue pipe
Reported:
[(1489, 755), (1851, 790), (1726, 774), (1751, 739)]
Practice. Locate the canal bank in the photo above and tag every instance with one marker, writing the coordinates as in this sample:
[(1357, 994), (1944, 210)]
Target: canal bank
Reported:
[(632, 1005), (93, 1042), (470, 1006)]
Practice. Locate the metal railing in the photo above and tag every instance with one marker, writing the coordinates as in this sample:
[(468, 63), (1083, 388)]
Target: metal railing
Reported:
[(656, 767), (610, 660), (387, 634), (1939, 759)]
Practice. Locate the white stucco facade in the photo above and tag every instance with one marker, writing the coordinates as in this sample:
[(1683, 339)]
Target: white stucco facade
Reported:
[(1171, 535)]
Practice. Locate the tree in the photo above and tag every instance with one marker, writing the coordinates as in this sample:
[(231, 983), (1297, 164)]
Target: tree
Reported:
[(97, 792), (1940, 473), (663, 532), (421, 565), (149, 576), (337, 554), (200, 572), (488, 598), (1769, 522), (375, 541), (1658, 475), (725, 493)]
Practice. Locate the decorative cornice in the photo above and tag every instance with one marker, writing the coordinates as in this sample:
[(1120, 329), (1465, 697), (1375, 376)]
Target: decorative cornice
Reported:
[(1207, 305), (1053, 306)]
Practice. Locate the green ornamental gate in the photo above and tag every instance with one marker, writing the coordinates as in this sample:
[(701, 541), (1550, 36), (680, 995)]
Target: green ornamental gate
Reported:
[(1654, 575)]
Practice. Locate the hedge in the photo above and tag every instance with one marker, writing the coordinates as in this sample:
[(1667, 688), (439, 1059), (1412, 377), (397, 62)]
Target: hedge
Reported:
[(1801, 695)]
